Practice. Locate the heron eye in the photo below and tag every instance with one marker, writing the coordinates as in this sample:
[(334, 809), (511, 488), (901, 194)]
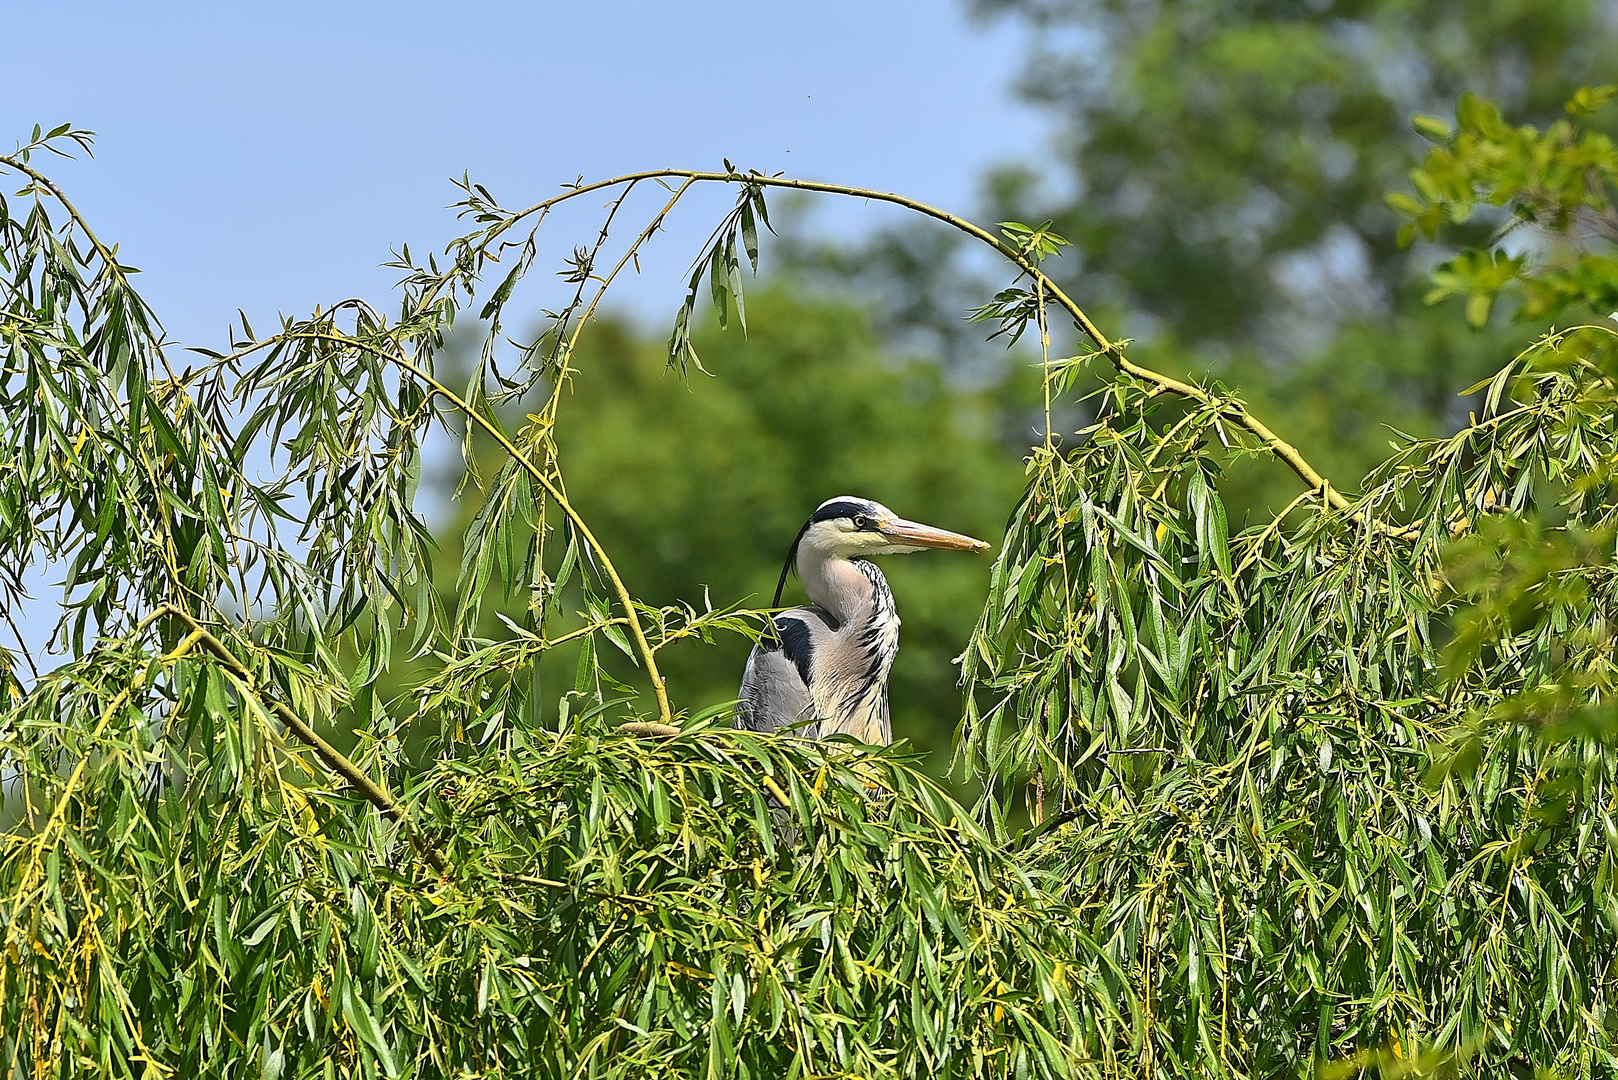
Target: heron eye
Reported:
[(860, 521)]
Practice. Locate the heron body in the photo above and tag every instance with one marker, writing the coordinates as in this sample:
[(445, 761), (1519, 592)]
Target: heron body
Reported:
[(824, 671)]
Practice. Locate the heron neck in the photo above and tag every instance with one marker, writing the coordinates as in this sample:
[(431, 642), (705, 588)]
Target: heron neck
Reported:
[(837, 585)]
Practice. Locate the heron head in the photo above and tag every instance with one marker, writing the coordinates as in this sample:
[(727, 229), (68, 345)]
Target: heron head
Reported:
[(849, 527)]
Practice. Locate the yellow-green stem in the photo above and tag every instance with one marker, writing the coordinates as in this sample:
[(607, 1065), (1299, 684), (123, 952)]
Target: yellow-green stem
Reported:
[(642, 646)]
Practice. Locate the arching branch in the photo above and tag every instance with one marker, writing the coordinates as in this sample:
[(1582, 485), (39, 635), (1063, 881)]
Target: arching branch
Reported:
[(1112, 350)]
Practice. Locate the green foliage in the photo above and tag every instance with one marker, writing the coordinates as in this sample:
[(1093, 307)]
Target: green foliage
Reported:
[(498, 879), (98, 467), (1558, 181), (1276, 817), (1536, 602), (1269, 761), (1217, 146), (664, 932), (613, 907), (724, 270), (1238, 726), (1536, 583)]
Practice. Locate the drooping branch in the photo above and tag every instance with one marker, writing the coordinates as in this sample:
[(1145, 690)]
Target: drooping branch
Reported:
[(45, 183), (473, 415), (642, 646)]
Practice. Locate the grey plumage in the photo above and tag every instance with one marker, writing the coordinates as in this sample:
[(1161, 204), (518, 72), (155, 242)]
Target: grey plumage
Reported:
[(824, 670)]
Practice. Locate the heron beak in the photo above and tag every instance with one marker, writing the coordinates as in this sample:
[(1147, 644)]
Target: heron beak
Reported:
[(915, 534)]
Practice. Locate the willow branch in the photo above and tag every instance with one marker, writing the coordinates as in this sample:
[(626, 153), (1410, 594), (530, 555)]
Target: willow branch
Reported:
[(650, 731), (493, 430), (374, 792), (45, 183), (114, 269), (1113, 351), (1269, 530), (108, 260), (566, 354), (642, 646)]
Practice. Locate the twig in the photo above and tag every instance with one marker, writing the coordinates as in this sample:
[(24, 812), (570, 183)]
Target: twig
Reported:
[(1275, 523), (21, 644), (769, 784), (649, 730)]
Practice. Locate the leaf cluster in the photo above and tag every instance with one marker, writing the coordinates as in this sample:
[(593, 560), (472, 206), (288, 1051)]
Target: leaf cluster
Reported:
[(1559, 181), (722, 266), (1267, 761)]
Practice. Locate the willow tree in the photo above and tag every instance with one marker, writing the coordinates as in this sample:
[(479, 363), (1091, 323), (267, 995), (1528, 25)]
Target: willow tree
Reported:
[(1336, 785), (196, 880), (1233, 863)]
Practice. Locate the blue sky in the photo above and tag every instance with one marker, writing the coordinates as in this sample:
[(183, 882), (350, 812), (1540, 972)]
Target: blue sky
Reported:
[(268, 156)]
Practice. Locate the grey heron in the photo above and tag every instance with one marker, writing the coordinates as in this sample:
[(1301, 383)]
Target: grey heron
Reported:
[(824, 670)]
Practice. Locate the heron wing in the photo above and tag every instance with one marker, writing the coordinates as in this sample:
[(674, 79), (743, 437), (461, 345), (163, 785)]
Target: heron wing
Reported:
[(775, 686)]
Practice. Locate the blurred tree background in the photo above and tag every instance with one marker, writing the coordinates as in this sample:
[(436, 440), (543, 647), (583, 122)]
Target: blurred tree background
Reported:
[(1221, 167)]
